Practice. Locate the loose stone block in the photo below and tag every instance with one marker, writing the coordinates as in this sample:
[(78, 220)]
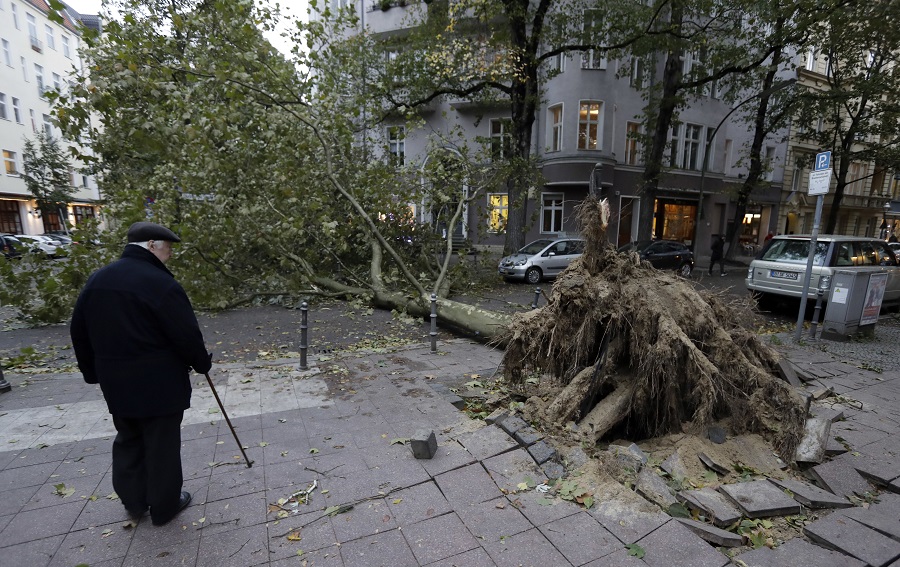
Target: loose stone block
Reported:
[(760, 499), (850, 537), (631, 456), (822, 393), (716, 434), (840, 478), (512, 424), (815, 437), (455, 400), (497, 416), (576, 458), (553, 470), (788, 373), (811, 496), (655, 489), (714, 505), (424, 444), (712, 465), (542, 452), (712, 534), (674, 466), (527, 435)]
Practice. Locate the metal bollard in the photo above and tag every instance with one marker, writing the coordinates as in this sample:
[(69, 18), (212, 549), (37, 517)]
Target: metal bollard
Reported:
[(433, 323), (537, 297), (815, 319), (304, 308)]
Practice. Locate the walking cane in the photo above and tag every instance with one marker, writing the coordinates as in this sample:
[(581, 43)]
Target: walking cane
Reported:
[(228, 421)]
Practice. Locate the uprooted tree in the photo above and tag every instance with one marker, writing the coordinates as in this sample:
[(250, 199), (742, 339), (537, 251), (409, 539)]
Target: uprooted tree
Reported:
[(632, 350)]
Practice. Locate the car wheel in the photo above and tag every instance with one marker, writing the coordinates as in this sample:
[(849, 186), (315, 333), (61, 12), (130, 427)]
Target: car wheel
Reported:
[(533, 275), (685, 270)]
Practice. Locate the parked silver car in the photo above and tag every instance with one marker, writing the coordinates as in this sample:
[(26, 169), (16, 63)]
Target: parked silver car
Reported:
[(780, 269), (541, 259)]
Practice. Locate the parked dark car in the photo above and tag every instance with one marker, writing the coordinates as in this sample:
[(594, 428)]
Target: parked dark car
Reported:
[(12, 247), (664, 255)]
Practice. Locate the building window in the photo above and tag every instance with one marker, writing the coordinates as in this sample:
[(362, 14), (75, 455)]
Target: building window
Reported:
[(15, 13), (51, 42), (39, 78), (500, 138), (17, 112), (65, 44), (592, 58), (48, 126), (589, 125), (685, 151), (10, 217), (3, 113), (397, 144), (726, 169), (632, 143), (57, 83), (638, 79), (551, 212), (24, 68), (9, 161), (7, 55), (82, 213), (556, 64), (32, 32), (498, 206), (33, 123), (769, 163), (555, 132), (811, 57)]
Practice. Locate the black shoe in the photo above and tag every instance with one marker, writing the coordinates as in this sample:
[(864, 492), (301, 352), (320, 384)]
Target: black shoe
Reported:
[(183, 502)]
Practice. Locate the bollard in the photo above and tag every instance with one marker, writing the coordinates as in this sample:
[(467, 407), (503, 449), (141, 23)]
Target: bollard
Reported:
[(433, 323), (537, 297), (4, 385), (815, 319), (304, 308)]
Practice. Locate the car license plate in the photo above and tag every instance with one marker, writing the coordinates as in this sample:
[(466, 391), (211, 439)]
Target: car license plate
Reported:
[(778, 274)]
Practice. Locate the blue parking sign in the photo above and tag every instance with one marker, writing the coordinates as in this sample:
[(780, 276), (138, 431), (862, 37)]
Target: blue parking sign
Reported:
[(823, 161)]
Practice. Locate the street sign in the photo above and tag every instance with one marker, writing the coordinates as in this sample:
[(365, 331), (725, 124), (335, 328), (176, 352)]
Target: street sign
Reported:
[(823, 161), (819, 181)]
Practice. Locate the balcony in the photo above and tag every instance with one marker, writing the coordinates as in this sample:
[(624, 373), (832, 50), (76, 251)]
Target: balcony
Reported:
[(36, 44)]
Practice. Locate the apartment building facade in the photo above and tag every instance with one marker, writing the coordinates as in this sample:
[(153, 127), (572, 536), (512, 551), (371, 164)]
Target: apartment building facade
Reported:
[(37, 55)]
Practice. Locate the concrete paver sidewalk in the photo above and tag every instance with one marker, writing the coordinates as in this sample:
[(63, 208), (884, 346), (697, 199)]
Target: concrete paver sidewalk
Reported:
[(337, 426)]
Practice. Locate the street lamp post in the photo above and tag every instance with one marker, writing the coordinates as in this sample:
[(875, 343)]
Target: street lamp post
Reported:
[(709, 140)]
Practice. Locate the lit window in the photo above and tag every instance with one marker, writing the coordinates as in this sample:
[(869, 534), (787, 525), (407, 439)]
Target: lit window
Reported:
[(551, 212), (9, 160), (556, 128), (589, 125), (498, 205)]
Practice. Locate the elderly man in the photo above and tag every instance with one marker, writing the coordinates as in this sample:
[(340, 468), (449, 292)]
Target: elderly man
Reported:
[(135, 333)]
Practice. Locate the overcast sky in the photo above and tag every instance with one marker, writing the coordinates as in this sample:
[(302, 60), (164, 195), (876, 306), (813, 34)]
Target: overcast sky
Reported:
[(297, 8)]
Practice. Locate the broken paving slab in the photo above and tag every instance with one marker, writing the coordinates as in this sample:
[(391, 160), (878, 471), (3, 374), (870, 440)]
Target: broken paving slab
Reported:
[(512, 424), (879, 470), (815, 438), (840, 478), (652, 487), (712, 534), (875, 520), (673, 545), (511, 469), (497, 416), (714, 505), (625, 519), (797, 553), (848, 536), (674, 466), (631, 456), (834, 448), (527, 435), (812, 496), (788, 372), (712, 465), (830, 413), (760, 499), (487, 442)]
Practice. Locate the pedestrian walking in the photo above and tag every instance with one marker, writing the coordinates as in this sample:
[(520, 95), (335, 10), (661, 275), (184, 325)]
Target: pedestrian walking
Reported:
[(718, 248), (134, 332)]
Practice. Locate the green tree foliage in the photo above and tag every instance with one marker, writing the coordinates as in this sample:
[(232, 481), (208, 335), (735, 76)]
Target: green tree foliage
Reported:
[(46, 172), (851, 108)]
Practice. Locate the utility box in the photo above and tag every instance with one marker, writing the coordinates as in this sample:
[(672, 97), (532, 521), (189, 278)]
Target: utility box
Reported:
[(854, 303)]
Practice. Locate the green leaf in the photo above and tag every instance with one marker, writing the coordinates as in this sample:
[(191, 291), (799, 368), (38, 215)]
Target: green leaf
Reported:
[(588, 502), (635, 550), (313, 451), (400, 441), (678, 510)]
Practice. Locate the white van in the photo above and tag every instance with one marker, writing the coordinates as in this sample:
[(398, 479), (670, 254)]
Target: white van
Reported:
[(780, 268)]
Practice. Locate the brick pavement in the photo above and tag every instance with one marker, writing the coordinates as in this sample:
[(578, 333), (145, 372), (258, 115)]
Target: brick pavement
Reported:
[(337, 425)]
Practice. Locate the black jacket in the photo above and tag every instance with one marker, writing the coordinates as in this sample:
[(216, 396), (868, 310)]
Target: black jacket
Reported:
[(135, 333)]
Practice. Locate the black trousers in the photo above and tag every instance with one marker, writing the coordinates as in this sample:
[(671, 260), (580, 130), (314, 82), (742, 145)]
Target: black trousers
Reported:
[(147, 464)]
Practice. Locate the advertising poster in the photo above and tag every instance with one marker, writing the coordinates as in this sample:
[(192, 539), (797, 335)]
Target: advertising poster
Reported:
[(874, 296)]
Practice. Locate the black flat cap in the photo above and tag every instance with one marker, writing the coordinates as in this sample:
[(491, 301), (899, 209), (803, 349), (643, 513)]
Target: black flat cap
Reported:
[(144, 231)]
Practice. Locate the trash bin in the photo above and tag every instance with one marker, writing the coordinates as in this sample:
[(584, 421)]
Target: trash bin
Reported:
[(854, 303)]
